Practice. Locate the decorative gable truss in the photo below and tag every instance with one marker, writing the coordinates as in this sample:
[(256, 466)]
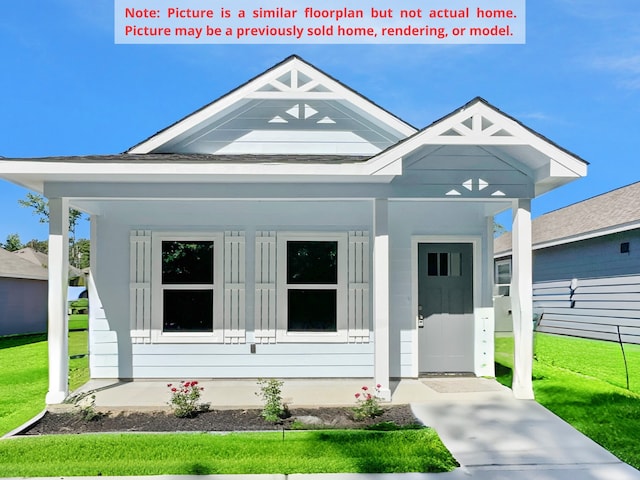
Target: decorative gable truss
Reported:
[(292, 109), (479, 152)]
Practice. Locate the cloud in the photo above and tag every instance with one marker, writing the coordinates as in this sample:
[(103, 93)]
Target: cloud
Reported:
[(625, 67)]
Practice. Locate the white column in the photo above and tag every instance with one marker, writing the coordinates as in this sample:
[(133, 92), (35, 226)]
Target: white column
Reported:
[(58, 281), (521, 300), (381, 295)]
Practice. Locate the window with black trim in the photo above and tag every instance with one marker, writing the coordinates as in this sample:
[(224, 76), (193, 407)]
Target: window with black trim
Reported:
[(187, 286), (444, 264), (312, 286)]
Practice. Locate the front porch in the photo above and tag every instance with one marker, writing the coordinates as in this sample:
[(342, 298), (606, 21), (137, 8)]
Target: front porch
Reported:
[(114, 395)]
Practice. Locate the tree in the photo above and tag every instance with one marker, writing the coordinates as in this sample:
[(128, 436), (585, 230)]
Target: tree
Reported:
[(41, 208), (82, 252), (12, 243), (41, 246), (498, 229)]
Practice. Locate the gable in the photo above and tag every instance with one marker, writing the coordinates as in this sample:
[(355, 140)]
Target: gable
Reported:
[(291, 109), (480, 152)]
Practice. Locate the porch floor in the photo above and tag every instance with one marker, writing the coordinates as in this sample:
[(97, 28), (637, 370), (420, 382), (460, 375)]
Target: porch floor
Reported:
[(228, 394)]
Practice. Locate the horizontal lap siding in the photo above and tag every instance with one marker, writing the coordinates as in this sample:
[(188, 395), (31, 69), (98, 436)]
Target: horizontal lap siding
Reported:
[(103, 342), (592, 258), (270, 360), (594, 308)]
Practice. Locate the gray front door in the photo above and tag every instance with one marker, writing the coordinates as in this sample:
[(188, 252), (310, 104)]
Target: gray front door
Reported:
[(445, 299)]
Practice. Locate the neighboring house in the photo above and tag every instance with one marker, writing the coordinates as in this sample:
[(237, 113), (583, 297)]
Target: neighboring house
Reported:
[(586, 267), (76, 275), (293, 228), (23, 295)]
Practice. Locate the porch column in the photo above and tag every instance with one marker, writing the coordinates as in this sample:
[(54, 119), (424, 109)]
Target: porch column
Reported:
[(521, 300), (381, 295), (58, 281)]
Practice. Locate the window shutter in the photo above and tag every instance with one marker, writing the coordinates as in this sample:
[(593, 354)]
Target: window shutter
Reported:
[(265, 299), (140, 286), (358, 288), (234, 287)]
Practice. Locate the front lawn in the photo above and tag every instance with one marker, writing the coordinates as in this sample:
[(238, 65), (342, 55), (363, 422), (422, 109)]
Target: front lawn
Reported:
[(335, 451), (24, 379), (581, 381)]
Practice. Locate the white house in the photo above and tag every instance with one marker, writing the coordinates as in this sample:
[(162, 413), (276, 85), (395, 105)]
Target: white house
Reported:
[(293, 228)]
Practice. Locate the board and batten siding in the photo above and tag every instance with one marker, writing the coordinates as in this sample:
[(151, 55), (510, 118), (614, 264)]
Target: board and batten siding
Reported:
[(590, 308)]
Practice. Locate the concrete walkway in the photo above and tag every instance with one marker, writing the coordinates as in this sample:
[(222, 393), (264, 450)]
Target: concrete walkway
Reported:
[(492, 435)]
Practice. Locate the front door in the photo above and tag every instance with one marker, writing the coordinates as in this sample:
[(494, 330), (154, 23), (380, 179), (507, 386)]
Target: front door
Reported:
[(445, 307)]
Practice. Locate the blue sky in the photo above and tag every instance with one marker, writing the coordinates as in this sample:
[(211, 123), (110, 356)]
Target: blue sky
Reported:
[(67, 89)]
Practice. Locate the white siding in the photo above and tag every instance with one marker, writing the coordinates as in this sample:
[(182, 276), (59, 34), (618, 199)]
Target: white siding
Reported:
[(260, 222), (232, 359), (103, 341), (408, 219)]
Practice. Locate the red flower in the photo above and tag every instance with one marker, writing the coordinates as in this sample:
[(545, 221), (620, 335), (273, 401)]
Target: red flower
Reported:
[(368, 396), (365, 388), (357, 395), (378, 386), (169, 385), (174, 389), (194, 383)]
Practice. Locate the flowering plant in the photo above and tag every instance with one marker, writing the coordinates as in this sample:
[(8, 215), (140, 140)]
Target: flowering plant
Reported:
[(271, 393), (367, 403), (185, 399)]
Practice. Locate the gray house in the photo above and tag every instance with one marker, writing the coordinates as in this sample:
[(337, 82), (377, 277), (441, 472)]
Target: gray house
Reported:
[(586, 268), (23, 295)]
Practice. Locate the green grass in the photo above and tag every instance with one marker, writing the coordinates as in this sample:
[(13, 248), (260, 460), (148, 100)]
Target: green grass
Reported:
[(581, 381), (24, 385), (78, 322), (336, 451)]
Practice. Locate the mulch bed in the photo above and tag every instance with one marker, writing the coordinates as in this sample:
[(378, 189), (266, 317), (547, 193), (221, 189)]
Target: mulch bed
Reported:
[(211, 421)]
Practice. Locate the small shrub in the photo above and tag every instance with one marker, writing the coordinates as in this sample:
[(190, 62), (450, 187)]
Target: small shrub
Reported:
[(271, 393), (367, 404), (185, 399), (87, 409)]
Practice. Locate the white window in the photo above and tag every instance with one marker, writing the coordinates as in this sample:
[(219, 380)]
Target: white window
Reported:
[(187, 287), (502, 276), (312, 287)]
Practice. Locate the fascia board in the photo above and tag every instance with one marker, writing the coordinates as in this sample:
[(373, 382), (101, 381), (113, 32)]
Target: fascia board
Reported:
[(38, 172), (576, 238), (562, 161)]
